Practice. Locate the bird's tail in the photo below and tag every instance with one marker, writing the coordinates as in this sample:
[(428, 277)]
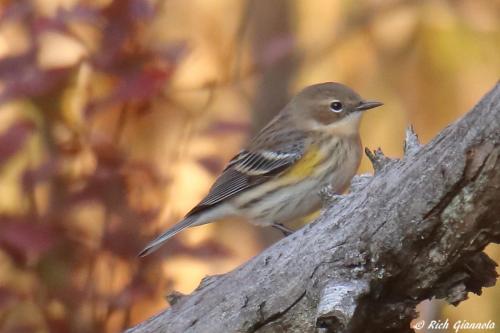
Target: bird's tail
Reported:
[(158, 241)]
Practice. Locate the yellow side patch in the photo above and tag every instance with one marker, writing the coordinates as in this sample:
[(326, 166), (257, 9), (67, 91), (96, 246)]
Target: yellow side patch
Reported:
[(305, 166)]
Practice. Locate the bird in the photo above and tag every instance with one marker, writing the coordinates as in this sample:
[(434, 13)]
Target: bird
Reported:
[(311, 143)]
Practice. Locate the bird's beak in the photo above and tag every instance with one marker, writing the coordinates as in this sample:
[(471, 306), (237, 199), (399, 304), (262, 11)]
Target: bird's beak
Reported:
[(367, 105)]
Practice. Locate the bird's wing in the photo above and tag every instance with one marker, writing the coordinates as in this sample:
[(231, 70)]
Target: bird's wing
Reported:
[(250, 168)]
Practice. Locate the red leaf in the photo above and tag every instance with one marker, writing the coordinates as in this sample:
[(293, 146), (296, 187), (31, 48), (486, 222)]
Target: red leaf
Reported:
[(42, 173), (16, 11), (24, 239), (7, 297), (29, 81), (78, 13), (121, 21), (13, 139), (143, 85), (10, 66), (140, 9)]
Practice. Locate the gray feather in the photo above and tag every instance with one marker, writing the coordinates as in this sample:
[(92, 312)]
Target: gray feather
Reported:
[(158, 241), (248, 169)]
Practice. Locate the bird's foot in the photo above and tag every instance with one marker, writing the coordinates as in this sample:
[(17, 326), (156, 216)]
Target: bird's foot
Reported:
[(286, 231)]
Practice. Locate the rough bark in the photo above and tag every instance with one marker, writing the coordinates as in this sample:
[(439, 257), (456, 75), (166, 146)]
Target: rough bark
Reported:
[(413, 231)]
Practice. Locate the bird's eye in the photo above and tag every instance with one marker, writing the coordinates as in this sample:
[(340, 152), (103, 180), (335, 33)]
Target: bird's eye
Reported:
[(336, 106)]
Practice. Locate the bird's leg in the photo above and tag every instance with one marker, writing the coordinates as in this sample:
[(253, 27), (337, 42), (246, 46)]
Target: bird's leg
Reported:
[(286, 231)]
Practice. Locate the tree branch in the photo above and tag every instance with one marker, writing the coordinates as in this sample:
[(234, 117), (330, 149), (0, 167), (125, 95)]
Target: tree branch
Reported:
[(413, 231)]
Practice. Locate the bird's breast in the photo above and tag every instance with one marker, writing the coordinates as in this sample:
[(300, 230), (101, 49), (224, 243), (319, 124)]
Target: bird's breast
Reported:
[(342, 162)]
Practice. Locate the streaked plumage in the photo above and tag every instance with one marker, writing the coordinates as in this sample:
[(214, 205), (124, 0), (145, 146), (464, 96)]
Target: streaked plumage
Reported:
[(277, 178)]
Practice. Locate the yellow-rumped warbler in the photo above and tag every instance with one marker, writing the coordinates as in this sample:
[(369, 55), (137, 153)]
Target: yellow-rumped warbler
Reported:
[(313, 142)]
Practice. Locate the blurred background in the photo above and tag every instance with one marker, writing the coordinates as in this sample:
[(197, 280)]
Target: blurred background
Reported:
[(116, 116)]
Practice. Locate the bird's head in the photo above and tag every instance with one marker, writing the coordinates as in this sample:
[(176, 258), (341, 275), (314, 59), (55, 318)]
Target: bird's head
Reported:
[(330, 106)]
